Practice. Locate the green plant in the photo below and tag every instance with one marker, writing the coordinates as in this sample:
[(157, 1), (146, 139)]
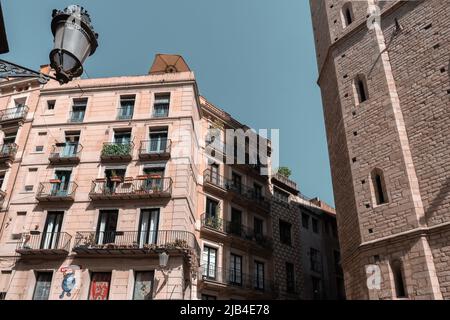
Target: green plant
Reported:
[(284, 171), (116, 149), (214, 222)]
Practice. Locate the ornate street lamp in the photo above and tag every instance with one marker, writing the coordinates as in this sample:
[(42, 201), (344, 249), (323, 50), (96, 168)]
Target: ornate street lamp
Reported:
[(74, 40)]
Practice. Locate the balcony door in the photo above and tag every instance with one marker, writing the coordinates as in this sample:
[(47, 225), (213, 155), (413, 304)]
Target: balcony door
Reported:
[(61, 188), (107, 224), (236, 222), (100, 285), (214, 169), (148, 227), (235, 269), (155, 178), (112, 179), (209, 259), (212, 207), (71, 145), (158, 141), (52, 229), (236, 182), (8, 140)]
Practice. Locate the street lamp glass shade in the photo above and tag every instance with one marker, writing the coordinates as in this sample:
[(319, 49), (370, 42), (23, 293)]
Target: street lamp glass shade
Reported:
[(74, 41), (163, 259)]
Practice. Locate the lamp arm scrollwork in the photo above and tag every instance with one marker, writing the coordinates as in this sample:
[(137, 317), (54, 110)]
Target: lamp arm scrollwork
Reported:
[(11, 70)]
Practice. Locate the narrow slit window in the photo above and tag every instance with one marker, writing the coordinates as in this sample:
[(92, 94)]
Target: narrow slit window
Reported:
[(347, 14), (361, 91), (399, 283), (379, 187)]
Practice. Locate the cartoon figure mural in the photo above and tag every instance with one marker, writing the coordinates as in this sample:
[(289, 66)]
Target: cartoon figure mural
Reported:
[(69, 282)]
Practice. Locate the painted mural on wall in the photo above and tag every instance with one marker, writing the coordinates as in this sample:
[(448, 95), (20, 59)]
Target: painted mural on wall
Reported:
[(71, 278)]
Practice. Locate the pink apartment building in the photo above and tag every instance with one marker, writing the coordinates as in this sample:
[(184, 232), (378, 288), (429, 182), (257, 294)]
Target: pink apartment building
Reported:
[(100, 176)]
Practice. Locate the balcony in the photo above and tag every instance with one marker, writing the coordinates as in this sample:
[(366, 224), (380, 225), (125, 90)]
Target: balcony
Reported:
[(241, 194), (143, 187), (237, 231), (2, 195), (50, 243), (8, 152), (135, 242), (155, 149), (55, 190), (63, 153), (117, 152), (13, 116), (213, 277)]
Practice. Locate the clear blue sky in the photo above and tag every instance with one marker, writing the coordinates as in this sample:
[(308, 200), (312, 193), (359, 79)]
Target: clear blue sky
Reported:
[(253, 58)]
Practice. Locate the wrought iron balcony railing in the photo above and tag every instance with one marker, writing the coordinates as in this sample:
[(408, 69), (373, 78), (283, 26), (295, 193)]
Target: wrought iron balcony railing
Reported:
[(125, 113), (8, 151), (241, 191), (44, 243), (236, 278), (56, 190), (214, 223), (13, 114), (135, 242), (238, 230), (155, 149), (142, 187), (65, 152), (76, 116), (117, 151)]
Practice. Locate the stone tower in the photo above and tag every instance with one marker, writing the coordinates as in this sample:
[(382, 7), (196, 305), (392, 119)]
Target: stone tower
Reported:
[(384, 77)]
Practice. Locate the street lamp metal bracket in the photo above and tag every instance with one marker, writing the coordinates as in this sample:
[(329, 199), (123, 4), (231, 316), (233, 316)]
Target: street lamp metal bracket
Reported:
[(11, 70)]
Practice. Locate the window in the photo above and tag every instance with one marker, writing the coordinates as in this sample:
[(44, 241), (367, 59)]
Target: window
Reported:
[(208, 297), (315, 225), (2, 295), (148, 227), (30, 179), (259, 275), (360, 87), (258, 226), (235, 226), (305, 221), (10, 137), (347, 14), (316, 288), (70, 147), (122, 136), (78, 110), (258, 191), (235, 269), (379, 186), (285, 232), (158, 140), (126, 108), (39, 148), (334, 230), (143, 285), (236, 182), (314, 259), (290, 277), (113, 180), (281, 195), (62, 188), (209, 258), (51, 234), (212, 209), (106, 227), (43, 285), (326, 227), (161, 105), (397, 271), (51, 104), (100, 285)]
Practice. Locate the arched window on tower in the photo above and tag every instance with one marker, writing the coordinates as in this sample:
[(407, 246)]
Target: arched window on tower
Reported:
[(399, 283), (360, 87), (347, 14), (379, 187)]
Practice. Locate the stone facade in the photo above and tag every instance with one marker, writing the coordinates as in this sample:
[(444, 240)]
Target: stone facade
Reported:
[(385, 93)]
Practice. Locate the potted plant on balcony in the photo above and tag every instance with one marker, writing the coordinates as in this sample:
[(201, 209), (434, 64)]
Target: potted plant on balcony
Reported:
[(115, 177)]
